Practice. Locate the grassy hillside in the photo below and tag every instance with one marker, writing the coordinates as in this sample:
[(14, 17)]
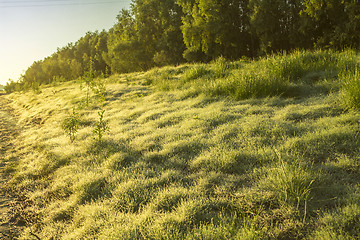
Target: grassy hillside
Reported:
[(242, 150)]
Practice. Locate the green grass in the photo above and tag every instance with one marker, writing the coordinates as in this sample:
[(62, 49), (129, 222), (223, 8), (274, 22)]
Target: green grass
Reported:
[(265, 149), (291, 75), (350, 82)]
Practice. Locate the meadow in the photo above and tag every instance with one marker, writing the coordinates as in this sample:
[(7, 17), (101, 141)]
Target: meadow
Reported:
[(265, 149)]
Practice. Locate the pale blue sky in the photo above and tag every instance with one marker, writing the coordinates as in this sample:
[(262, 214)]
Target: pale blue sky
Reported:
[(31, 30)]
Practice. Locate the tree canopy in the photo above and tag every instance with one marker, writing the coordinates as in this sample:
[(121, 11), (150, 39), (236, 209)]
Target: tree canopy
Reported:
[(169, 32)]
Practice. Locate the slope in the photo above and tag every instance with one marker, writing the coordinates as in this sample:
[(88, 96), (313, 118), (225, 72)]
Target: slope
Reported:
[(181, 161)]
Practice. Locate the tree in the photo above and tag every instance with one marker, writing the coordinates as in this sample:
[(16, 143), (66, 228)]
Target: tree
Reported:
[(147, 35), (92, 46), (336, 23), (214, 28), (279, 25), (124, 52), (158, 30)]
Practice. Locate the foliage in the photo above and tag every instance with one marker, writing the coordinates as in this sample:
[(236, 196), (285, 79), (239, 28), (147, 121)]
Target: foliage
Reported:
[(277, 25), (69, 63), (216, 28), (99, 89), (13, 86), (124, 52), (101, 127), (93, 84), (158, 31), (89, 81), (71, 125), (335, 23), (155, 33), (146, 36)]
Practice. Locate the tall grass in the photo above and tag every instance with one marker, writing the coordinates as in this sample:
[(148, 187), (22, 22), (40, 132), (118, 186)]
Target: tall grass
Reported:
[(273, 75), (350, 84), (292, 181), (251, 83), (299, 63)]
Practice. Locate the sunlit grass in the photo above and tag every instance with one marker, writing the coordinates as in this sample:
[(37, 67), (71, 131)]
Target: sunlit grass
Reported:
[(220, 154)]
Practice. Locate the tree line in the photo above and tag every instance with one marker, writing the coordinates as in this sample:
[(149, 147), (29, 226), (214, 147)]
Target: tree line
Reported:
[(168, 32)]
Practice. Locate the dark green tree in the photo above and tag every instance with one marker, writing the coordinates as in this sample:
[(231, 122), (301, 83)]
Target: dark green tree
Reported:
[(124, 50), (92, 46), (158, 31), (216, 28), (336, 23), (279, 24)]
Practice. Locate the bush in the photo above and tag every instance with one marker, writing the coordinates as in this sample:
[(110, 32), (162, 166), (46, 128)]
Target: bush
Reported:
[(101, 127), (12, 87), (71, 125)]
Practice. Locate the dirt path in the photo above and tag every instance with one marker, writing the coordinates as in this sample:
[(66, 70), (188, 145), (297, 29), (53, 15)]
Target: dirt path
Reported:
[(8, 132)]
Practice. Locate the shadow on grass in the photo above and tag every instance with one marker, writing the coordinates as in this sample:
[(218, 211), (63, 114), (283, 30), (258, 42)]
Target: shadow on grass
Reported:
[(104, 149)]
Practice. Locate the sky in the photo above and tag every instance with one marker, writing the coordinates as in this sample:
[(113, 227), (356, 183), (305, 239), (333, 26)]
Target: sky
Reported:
[(31, 30)]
